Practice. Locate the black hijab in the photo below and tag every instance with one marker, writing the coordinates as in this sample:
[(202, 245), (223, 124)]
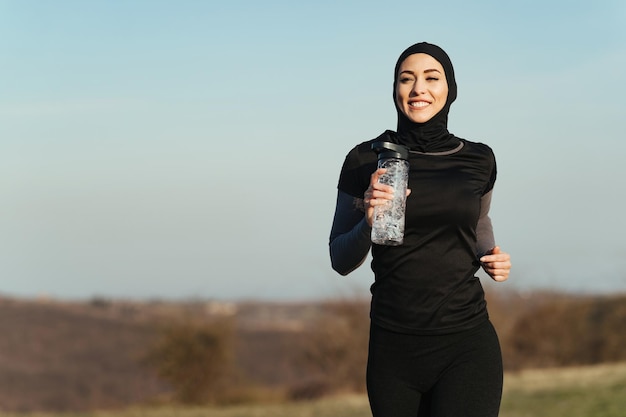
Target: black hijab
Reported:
[(433, 135)]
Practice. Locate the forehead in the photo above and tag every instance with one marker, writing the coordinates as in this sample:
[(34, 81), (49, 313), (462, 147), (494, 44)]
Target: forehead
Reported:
[(420, 62)]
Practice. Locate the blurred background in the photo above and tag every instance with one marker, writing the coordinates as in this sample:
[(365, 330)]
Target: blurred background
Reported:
[(155, 153), (192, 149)]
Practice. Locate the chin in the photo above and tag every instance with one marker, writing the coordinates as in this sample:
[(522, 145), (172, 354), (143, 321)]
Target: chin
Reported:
[(421, 119)]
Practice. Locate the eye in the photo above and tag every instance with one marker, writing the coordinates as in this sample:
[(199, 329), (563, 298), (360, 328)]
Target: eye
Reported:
[(432, 78), (405, 80)]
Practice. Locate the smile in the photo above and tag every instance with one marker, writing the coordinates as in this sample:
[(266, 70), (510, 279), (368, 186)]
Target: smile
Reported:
[(419, 104)]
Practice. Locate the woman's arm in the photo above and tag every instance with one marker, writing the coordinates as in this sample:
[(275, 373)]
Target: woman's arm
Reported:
[(484, 229), (495, 262), (350, 239), (350, 236)]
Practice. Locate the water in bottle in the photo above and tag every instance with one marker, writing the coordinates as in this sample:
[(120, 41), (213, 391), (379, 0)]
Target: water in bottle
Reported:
[(388, 224)]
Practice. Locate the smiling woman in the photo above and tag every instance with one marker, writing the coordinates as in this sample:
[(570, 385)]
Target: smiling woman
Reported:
[(430, 333)]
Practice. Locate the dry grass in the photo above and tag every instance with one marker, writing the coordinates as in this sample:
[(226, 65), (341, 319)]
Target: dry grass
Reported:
[(534, 380), (590, 391)]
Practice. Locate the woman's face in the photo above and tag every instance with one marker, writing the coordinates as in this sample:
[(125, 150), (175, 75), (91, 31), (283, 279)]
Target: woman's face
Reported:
[(421, 89)]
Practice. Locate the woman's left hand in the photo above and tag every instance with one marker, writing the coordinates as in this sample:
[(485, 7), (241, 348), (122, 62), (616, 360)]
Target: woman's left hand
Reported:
[(497, 264)]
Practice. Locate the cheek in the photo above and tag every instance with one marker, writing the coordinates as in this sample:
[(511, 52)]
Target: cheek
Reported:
[(399, 98), (402, 94), (443, 94)]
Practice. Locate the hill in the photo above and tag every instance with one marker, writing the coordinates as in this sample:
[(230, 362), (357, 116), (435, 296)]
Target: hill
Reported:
[(71, 356), (62, 355)]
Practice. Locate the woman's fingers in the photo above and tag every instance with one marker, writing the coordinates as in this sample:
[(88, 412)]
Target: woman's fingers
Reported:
[(497, 264), (377, 193)]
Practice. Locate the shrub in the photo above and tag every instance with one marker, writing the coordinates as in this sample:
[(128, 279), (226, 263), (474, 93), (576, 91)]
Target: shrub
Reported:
[(575, 331), (195, 358), (334, 351)]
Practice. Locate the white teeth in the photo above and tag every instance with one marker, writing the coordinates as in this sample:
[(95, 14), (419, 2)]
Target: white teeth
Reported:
[(418, 104)]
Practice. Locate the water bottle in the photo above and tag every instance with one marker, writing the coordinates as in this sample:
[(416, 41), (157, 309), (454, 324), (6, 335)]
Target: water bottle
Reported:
[(388, 224)]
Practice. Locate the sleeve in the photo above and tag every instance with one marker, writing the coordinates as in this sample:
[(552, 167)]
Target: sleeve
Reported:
[(484, 230), (350, 236), (349, 181), (357, 169), (350, 239), (493, 174)]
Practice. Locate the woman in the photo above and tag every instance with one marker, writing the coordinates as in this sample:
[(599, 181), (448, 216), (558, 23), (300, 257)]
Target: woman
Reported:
[(432, 350)]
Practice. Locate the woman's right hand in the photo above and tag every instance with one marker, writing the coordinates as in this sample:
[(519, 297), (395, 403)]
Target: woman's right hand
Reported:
[(377, 194)]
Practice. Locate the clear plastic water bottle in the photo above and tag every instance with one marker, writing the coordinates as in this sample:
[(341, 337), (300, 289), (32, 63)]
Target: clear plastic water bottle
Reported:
[(388, 224)]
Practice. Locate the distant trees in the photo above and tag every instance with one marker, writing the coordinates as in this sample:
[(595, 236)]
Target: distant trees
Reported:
[(334, 350), (569, 331), (203, 360)]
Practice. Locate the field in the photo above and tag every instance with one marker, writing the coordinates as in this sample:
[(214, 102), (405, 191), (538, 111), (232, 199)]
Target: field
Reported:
[(71, 359), (592, 391), (595, 391)]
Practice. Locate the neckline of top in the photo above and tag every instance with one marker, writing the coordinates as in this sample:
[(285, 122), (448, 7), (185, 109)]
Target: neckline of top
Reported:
[(442, 153)]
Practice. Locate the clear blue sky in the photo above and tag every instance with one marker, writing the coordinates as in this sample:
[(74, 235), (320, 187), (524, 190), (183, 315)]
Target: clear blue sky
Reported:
[(173, 149)]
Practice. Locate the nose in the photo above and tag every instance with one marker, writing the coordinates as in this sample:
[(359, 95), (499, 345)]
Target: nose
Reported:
[(418, 87)]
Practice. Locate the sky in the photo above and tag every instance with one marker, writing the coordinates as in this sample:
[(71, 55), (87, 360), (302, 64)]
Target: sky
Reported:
[(156, 149)]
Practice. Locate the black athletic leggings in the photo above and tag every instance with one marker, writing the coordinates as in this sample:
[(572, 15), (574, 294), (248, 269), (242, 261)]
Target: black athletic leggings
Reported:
[(453, 375)]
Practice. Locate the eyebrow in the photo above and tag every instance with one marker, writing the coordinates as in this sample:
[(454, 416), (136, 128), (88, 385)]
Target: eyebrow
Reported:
[(425, 71)]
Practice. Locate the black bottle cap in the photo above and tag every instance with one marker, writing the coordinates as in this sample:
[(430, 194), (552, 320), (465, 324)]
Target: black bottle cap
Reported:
[(390, 150)]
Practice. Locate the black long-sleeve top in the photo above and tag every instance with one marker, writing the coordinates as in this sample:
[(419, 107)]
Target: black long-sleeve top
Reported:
[(427, 285)]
